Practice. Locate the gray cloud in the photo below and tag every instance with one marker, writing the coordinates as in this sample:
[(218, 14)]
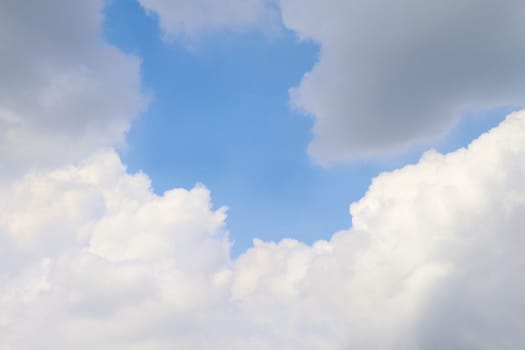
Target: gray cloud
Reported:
[(391, 74), (64, 91)]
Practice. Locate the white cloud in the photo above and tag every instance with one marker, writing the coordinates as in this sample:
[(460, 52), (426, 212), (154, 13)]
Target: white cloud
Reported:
[(64, 91), (391, 74), (89, 244), (91, 258), (191, 19)]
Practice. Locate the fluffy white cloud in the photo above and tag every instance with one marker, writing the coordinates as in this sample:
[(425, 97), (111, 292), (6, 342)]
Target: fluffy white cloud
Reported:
[(64, 91), (190, 19), (88, 246), (394, 73), (91, 258)]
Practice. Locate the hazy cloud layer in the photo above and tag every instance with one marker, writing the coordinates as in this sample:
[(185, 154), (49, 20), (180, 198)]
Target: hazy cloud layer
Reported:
[(91, 258), (394, 73), (64, 91), (191, 19)]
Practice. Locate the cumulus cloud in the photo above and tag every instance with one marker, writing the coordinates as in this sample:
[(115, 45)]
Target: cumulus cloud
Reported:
[(91, 255), (190, 19), (64, 91), (391, 74), (92, 258)]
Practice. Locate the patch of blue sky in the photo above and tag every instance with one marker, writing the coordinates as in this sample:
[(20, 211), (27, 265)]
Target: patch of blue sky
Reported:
[(220, 116)]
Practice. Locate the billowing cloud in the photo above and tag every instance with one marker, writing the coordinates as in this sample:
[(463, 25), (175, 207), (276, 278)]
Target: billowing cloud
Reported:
[(91, 258), (191, 19), (64, 91), (391, 74)]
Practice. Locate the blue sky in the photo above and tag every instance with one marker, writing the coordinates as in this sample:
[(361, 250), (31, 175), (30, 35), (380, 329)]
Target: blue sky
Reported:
[(220, 115)]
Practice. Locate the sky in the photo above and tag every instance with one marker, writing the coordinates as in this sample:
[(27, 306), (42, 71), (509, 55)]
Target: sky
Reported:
[(220, 116), (263, 174)]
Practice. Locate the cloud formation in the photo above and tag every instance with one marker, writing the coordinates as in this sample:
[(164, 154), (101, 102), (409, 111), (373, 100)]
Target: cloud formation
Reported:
[(391, 74), (191, 19), (60, 78), (92, 258), (388, 75)]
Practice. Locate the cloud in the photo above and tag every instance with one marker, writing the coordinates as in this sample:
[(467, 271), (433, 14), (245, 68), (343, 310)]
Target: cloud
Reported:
[(92, 258), (89, 245), (393, 74), (191, 19), (65, 92)]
